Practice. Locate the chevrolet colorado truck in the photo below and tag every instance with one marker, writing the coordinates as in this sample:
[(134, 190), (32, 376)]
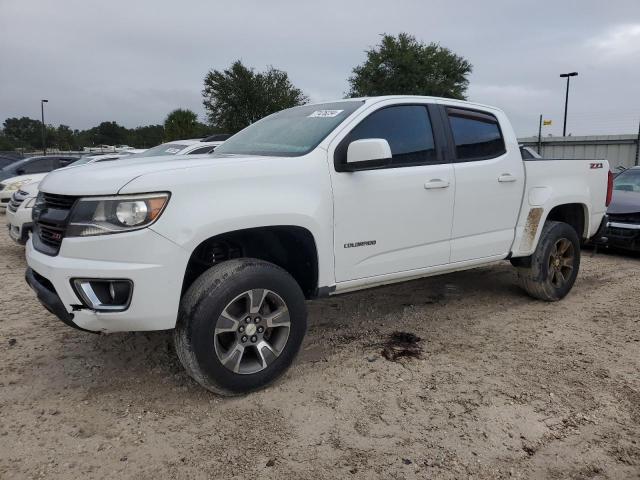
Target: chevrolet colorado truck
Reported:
[(308, 202)]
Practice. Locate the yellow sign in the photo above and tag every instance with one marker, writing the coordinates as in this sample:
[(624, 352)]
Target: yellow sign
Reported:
[(546, 122)]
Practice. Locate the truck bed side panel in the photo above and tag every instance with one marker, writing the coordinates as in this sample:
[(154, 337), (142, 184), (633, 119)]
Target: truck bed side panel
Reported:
[(550, 183)]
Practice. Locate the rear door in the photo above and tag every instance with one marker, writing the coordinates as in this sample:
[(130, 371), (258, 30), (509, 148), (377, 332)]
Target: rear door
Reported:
[(397, 218), (489, 177)]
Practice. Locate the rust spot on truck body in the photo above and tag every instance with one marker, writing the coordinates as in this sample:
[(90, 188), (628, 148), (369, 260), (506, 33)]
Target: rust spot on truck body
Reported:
[(531, 227)]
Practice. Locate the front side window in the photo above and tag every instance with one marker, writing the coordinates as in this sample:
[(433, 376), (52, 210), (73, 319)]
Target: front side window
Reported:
[(408, 130), (289, 133), (476, 134)]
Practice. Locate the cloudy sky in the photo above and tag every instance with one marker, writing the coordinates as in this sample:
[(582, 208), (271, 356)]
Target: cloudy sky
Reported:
[(133, 61)]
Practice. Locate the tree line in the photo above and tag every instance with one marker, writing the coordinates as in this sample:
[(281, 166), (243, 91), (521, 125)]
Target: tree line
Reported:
[(235, 97)]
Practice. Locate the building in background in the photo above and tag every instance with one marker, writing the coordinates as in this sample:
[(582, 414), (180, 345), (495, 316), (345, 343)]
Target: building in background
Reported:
[(620, 150)]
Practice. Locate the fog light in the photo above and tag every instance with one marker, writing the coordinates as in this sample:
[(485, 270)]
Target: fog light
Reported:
[(104, 295)]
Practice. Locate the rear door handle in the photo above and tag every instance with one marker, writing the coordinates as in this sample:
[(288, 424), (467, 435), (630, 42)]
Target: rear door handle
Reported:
[(436, 183), (506, 177)]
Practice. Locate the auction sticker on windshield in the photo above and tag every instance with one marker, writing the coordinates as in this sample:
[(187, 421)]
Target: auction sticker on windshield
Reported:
[(325, 113), (172, 150)]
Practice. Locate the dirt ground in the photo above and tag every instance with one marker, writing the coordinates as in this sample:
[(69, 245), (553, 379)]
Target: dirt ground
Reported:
[(507, 387)]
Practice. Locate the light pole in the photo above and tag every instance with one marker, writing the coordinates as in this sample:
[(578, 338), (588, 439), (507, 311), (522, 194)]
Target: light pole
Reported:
[(44, 129), (566, 99)]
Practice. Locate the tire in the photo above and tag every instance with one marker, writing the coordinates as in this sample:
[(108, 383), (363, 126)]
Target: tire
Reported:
[(549, 274), (240, 326)]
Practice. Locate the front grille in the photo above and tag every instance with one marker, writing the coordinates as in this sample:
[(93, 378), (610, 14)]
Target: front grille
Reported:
[(50, 234), (62, 202), (51, 216), (625, 218)]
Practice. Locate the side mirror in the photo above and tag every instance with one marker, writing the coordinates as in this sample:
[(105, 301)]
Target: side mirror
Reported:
[(368, 153), (20, 171)]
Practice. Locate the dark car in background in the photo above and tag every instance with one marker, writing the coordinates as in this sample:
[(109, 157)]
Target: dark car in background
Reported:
[(623, 228), (35, 165), (7, 158), (6, 161)]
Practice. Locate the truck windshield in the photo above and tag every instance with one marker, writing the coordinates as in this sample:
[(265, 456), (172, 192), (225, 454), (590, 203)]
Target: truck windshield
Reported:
[(289, 133), (628, 180)]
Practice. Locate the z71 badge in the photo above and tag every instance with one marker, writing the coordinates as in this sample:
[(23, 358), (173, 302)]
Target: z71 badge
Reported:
[(595, 165)]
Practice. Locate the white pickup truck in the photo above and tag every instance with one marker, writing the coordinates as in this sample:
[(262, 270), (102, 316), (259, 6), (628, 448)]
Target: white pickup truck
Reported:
[(311, 201)]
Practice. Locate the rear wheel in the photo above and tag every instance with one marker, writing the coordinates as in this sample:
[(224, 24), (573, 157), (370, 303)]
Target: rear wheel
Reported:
[(241, 325), (549, 274)]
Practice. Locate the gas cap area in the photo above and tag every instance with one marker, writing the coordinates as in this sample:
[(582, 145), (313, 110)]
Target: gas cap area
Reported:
[(539, 195)]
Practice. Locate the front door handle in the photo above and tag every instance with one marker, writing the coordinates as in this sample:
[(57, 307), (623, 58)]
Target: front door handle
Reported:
[(506, 177), (436, 183)]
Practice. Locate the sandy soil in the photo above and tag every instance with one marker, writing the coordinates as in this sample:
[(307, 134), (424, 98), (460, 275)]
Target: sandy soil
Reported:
[(507, 387)]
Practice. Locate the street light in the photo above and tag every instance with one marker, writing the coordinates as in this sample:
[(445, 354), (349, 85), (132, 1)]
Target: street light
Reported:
[(44, 129), (566, 99)]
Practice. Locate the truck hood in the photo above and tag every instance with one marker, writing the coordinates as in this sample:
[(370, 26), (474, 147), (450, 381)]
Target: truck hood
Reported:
[(624, 202), (107, 178)]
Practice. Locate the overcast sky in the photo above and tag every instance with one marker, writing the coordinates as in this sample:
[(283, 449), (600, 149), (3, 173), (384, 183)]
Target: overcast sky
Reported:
[(134, 61)]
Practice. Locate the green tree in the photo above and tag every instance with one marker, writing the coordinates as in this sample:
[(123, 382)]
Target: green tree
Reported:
[(239, 96), (182, 124), (108, 133), (6, 143), (65, 139), (403, 66), (24, 132), (145, 137)]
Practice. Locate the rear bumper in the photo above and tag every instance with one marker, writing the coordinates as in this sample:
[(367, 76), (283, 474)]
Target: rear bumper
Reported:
[(600, 238)]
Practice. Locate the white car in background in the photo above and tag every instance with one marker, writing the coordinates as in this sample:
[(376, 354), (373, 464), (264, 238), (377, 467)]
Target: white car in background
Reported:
[(20, 206), (23, 190), (11, 185), (19, 211), (181, 147)]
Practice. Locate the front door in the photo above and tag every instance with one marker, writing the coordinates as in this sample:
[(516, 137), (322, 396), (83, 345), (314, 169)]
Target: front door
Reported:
[(397, 218)]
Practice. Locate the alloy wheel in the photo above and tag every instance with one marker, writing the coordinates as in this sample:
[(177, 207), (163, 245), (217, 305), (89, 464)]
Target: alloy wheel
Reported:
[(561, 261), (252, 331)]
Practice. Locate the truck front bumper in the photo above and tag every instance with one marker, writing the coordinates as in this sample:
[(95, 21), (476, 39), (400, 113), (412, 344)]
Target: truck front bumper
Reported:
[(156, 278), (625, 236)]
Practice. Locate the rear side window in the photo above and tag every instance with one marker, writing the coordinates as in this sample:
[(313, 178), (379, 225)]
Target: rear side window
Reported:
[(476, 134), (408, 130), (63, 161), (41, 165)]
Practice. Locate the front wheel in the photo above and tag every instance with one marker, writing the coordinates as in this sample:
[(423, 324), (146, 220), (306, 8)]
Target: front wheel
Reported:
[(551, 271), (240, 326)]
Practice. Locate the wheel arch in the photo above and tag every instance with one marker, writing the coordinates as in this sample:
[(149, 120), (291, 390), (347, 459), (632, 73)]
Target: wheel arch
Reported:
[(291, 247), (575, 214)]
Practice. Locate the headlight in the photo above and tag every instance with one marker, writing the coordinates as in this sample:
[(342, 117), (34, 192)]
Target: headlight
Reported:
[(16, 185), (121, 213)]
